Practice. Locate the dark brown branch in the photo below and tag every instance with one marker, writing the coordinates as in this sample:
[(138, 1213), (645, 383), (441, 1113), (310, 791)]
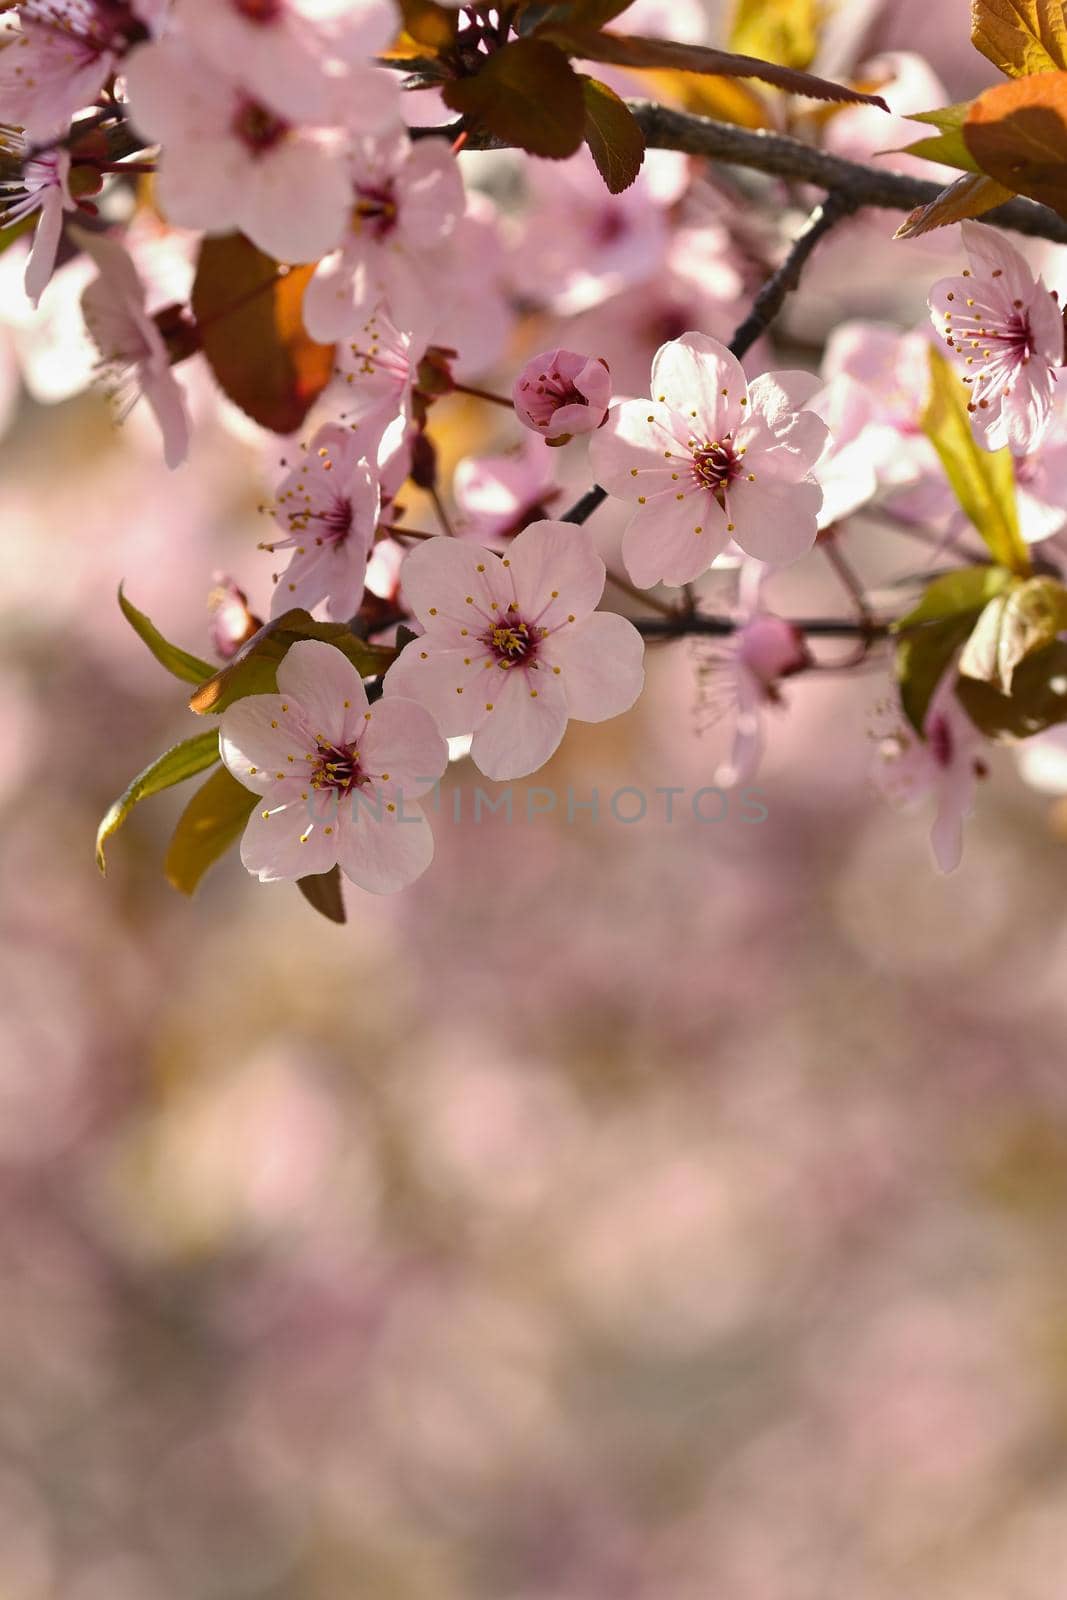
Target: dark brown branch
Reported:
[(695, 623), (771, 297), (780, 156)]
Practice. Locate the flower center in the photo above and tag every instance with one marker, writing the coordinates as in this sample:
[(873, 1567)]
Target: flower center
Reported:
[(337, 767), (259, 10), (375, 210), (513, 642), (716, 465), (258, 129)]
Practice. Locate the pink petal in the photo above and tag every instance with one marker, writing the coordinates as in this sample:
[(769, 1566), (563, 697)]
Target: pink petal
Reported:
[(528, 720), (295, 201), (430, 194), (777, 395), (774, 519), (661, 544), (165, 395), (257, 738), (326, 686), (42, 258), (287, 836), (629, 453), (461, 583), (402, 748), (384, 856), (556, 572), (689, 375), (601, 663)]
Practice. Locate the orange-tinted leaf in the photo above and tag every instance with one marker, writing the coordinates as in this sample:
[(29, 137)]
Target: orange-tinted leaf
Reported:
[(1017, 133), (253, 669), (527, 94), (248, 311), (622, 50), (1020, 36), (969, 196), (430, 25), (724, 99), (613, 135)]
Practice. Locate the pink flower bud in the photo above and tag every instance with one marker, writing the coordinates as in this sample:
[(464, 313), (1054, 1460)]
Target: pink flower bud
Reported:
[(560, 393), (769, 648), (232, 624)]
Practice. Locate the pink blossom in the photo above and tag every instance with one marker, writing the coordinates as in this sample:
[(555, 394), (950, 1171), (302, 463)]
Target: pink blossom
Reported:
[(514, 646), (1006, 334), (712, 458), (496, 496), (290, 53), (61, 55), (43, 187), (232, 623), (130, 343), (329, 503), (764, 650), (338, 777), (944, 763), (405, 200), (379, 366), (560, 393), (229, 161)]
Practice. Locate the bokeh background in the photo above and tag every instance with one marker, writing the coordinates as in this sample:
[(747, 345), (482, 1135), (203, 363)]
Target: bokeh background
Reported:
[(651, 1212)]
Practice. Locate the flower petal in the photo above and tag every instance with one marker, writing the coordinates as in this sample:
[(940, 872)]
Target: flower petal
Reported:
[(383, 856), (444, 579), (775, 520), (690, 374), (601, 662), (556, 572), (402, 747), (528, 720), (326, 686), (257, 739), (289, 836), (663, 545), (632, 453)]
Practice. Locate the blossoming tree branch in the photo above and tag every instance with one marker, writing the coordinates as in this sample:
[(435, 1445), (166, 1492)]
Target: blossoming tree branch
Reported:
[(308, 169)]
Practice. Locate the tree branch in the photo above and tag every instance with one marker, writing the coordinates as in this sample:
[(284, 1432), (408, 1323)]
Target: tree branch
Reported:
[(771, 297), (780, 156), (695, 623)]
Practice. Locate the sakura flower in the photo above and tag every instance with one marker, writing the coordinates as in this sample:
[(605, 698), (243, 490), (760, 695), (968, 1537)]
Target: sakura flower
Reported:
[(514, 646), (289, 53), (229, 161), (1006, 334), (944, 763), (741, 678), (61, 55), (560, 393), (406, 199), (709, 459), (131, 343), (329, 502), (44, 187), (232, 623), (497, 496), (338, 777)]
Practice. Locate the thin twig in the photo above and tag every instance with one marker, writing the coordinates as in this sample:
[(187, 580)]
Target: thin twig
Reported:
[(642, 596), (442, 514), (583, 509), (771, 297), (681, 624)]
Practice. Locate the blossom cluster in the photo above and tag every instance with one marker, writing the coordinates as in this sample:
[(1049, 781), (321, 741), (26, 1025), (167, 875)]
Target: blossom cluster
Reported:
[(283, 121)]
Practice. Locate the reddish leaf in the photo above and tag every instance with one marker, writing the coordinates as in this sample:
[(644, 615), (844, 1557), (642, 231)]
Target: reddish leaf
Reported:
[(248, 312), (1017, 133), (527, 94), (613, 135), (625, 51), (968, 196), (322, 890)]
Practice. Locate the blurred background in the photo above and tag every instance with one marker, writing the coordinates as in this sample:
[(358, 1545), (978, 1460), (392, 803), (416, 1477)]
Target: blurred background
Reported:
[(661, 1211)]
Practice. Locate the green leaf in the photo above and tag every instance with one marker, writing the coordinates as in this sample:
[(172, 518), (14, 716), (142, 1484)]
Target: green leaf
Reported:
[(1014, 625), (1020, 36), (939, 625), (179, 662), (1038, 698), (983, 481), (253, 670), (785, 31), (182, 761), (249, 314), (613, 135), (213, 820), (323, 891), (623, 50), (948, 146), (529, 95)]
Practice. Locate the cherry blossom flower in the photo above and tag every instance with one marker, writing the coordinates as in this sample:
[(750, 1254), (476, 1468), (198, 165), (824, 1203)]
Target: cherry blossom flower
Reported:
[(944, 763), (60, 56), (329, 503), (740, 678), (496, 496), (379, 366), (133, 349), (290, 50), (232, 623), (709, 459), (560, 393), (44, 187), (514, 646), (229, 161), (1006, 334), (406, 199), (338, 777)]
